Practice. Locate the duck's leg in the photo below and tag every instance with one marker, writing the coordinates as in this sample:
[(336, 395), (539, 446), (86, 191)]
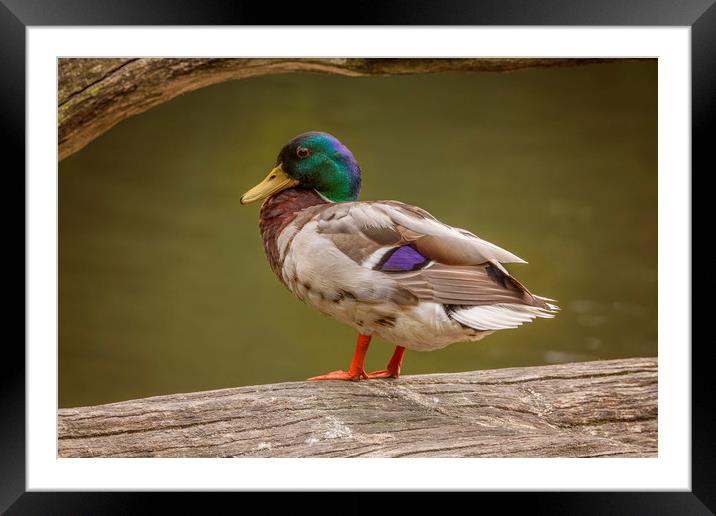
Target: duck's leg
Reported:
[(355, 371), (393, 369)]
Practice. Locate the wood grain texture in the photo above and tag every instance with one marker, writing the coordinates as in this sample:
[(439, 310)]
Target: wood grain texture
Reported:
[(589, 409), (96, 94)]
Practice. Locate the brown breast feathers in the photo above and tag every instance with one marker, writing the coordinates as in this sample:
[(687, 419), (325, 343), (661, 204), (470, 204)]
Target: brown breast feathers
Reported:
[(279, 211)]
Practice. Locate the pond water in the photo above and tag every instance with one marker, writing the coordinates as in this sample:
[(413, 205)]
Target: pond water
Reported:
[(163, 283)]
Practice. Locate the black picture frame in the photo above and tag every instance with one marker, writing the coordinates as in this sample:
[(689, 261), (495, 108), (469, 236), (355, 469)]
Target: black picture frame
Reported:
[(17, 15)]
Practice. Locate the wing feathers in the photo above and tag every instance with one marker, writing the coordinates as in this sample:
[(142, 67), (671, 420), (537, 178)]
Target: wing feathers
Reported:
[(459, 268), (476, 285), (390, 223)]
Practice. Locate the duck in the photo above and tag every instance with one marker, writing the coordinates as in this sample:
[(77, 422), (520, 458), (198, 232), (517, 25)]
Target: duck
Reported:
[(385, 268)]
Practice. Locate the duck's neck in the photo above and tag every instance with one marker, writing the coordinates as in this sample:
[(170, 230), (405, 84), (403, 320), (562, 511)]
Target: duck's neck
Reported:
[(279, 211)]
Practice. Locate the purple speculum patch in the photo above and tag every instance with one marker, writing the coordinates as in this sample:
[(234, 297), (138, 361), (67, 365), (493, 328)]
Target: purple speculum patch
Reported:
[(401, 259)]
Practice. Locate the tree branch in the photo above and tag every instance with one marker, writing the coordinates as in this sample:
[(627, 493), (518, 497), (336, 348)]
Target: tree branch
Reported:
[(96, 94), (590, 409)]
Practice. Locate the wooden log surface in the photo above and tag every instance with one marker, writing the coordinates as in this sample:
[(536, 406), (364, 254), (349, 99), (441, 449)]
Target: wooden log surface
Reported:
[(96, 94), (588, 409)]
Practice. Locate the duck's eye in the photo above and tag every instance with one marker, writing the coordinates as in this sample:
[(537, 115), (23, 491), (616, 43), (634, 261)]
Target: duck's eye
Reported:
[(302, 152)]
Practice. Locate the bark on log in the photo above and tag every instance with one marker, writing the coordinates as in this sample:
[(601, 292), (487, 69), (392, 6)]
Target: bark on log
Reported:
[(96, 94), (589, 409)]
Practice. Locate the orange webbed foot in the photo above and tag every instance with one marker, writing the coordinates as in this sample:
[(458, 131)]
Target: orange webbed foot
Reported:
[(393, 369), (356, 372), (351, 376), (383, 373)]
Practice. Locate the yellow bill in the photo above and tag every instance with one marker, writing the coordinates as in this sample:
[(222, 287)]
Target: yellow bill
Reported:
[(276, 181)]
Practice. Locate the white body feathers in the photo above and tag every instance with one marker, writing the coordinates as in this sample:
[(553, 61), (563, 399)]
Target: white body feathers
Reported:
[(330, 257)]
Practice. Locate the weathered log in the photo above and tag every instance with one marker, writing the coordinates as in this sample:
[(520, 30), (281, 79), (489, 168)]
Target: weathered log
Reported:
[(589, 409), (96, 94)]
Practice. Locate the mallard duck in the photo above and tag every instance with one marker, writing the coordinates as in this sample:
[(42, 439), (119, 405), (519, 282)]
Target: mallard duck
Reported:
[(384, 268)]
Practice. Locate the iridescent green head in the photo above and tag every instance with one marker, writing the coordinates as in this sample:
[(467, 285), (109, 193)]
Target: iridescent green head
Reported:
[(312, 160)]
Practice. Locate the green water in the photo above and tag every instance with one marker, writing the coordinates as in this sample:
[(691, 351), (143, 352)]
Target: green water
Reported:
[(164, 286)]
